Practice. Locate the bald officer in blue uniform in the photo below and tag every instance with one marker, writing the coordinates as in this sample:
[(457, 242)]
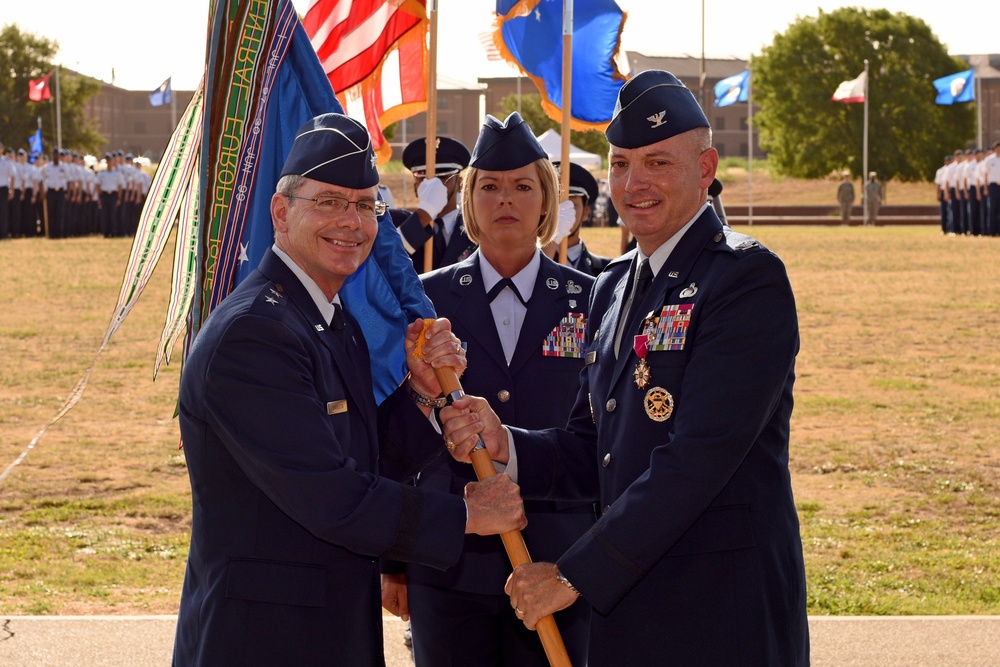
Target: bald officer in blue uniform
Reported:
[(278, 420), (523, 317), (437, 215), (683, 427)]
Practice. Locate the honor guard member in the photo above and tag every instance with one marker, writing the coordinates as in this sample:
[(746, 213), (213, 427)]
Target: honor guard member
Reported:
[(523, 317), (135, 185), (681, 422), (6, 193), (992, 177), (982, 196), (16, 194), (54, 183), (941, 193), (873, 198), (27, 195), (956, 188), (972, 191), (293, 504), (143, 189), (74, 196), (845, 198), (109, 191), (583, 191), (437, 212)]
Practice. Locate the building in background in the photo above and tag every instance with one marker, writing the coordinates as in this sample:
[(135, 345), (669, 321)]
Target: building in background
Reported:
[(128, 122)]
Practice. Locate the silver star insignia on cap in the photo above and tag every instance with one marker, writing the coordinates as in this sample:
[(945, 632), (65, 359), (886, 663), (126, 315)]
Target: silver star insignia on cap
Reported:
[(374, 159), (657, 118)]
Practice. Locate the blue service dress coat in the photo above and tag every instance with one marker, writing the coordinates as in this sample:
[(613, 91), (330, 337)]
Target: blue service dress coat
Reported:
[(696, 558), (535, 391), (458, 248), (590, 263), (290, 514)]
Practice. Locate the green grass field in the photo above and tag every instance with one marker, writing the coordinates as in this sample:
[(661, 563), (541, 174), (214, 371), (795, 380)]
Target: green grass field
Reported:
[(895, 452)]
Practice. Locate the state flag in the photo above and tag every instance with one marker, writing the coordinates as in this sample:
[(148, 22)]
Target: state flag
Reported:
[(852, 91), (38, 89)]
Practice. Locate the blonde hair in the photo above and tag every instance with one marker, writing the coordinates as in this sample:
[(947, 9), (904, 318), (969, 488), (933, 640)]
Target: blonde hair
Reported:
[(549, 179)]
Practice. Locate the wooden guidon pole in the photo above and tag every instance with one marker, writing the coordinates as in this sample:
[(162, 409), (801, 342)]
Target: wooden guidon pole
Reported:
[(513, 542), (567, 115), (431, 140)]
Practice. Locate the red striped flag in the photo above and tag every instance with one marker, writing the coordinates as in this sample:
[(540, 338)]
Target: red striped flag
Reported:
[(375, 55), (492, 52)]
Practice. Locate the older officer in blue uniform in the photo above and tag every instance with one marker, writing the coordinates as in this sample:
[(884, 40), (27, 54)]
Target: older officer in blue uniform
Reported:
[(437, 214), (278, 419), (523, 317), (582, 193), (682, 422)]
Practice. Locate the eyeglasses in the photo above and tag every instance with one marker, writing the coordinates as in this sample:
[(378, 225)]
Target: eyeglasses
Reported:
[(367, 208)]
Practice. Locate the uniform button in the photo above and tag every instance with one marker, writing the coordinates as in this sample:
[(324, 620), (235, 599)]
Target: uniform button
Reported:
[(605, 510), (718, 237), (607, 460), (611, 405), (503, 395)]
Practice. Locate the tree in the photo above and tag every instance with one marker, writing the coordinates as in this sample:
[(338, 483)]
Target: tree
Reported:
[(531, 110), (23, 57), (807, 135)]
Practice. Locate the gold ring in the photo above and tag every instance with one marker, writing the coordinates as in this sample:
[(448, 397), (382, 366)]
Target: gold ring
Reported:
[(450, 444)]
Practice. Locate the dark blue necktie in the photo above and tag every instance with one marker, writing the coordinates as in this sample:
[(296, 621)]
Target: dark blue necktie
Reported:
[(642, 281)]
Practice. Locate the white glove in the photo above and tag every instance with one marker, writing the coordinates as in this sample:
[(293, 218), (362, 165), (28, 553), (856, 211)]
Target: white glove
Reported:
[(567, 218), (433, 196)]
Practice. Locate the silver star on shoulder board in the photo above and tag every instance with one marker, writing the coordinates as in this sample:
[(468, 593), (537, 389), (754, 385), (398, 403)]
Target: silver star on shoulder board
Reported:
[(374, 159), (270, 300)]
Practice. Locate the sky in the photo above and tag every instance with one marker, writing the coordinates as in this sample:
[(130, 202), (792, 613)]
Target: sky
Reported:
[(146, 42)]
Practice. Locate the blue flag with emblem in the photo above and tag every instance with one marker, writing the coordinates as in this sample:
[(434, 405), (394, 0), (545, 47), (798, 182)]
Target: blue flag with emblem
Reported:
[(732, 89), (528, 34), (956, 88), (35, 145), (162, 95)]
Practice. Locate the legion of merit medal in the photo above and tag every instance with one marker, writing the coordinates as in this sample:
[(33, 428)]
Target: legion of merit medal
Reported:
[(640, 344), (659, 404), (641, 373)]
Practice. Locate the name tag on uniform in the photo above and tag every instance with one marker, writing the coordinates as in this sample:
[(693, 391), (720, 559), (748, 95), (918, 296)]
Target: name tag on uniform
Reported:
[(336, 407)]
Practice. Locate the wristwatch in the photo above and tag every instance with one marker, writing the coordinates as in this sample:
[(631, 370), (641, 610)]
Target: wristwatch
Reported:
[(561, 577), (420, 399)]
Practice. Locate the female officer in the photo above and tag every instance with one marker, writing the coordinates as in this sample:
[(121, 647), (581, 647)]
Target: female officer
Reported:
[(522, 317)]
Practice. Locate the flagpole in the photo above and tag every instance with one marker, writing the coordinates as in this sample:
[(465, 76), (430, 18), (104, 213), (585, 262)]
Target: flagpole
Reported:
[(431, 140), (567, 115), (173, 106), (750, 142), (979, 108), (58, 111), (864, 154)]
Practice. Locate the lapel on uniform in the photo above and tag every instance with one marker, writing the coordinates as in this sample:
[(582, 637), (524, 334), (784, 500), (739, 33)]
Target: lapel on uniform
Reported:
[(472, 308), (359, 392)]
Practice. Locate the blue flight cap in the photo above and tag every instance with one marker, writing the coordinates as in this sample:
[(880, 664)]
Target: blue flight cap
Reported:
[(652, 106), (450, 156), (581, 182), (335, 149), (506, 146)]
